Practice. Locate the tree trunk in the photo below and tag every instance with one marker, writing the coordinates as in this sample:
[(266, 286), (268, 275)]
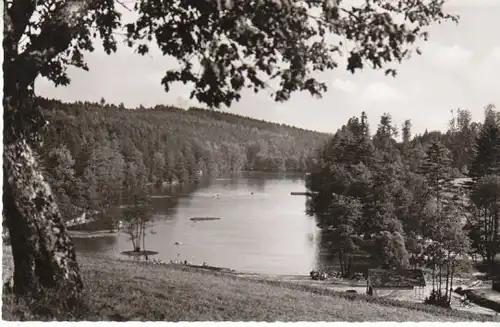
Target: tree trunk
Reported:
[(451, 277), (137, 234), (433, 276), (341, 261), (132, 238), (447, 278), (144, 239), (440, 279), (44, 256), (43, 253)]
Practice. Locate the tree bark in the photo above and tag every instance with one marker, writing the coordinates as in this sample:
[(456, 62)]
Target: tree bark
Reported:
[(44, 256)]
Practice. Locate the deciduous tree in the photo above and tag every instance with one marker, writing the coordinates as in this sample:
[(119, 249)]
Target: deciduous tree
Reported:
[(484, 223), (341, 226), (137, 216)]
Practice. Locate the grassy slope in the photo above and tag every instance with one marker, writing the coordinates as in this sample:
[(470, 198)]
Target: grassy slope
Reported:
[(118, 290)]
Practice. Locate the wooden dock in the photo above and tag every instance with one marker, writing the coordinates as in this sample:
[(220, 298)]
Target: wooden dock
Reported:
[(304, 193), (204, 218)]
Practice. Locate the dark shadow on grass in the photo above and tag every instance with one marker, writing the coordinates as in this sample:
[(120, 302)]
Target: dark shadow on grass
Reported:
[(139, 253)]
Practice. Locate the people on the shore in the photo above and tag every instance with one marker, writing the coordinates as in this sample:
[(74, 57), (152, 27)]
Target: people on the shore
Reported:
[(157, 261), (463, 300), (318, 275)]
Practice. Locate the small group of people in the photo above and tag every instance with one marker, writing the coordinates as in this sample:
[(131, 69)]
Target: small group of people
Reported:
[(157, 261), (318, 275), (464, 301)]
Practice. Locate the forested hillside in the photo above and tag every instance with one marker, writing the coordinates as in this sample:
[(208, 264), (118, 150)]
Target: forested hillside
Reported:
[(92, 151), (400, 203)]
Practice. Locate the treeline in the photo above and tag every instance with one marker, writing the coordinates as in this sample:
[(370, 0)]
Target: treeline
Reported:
[(92, 152), (405, 203)]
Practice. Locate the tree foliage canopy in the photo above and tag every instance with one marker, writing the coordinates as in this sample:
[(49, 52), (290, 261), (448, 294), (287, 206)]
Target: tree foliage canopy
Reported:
[(222, 46), (92, 152), (415, 205)]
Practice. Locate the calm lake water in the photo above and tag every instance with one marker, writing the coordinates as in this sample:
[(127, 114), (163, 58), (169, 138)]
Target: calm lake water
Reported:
[(263, 229)]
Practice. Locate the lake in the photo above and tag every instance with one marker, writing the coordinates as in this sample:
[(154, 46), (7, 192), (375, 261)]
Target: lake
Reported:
[(263, 229)]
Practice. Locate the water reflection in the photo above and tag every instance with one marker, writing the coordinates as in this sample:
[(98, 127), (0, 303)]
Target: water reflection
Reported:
[(96, 244), (259, 184)]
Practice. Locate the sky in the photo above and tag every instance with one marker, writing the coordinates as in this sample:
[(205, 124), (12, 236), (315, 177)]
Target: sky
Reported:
[(459, 68)]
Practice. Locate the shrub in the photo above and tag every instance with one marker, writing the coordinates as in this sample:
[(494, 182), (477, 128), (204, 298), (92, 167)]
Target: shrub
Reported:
[(438, 299), (318, 275)]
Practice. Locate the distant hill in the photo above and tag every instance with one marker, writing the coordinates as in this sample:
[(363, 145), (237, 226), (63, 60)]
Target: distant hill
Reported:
[(238, 119), (94, 145), (253, 144)]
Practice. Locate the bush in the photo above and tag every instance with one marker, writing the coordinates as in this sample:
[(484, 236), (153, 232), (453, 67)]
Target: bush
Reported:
[(496, 285), (357, 276), (438, 299), (335, 274)]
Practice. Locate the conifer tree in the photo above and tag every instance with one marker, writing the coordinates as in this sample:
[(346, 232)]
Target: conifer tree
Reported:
[(386, 131), (484, 223), (437, 171), (406, 131), (486, 159), (484, 189)]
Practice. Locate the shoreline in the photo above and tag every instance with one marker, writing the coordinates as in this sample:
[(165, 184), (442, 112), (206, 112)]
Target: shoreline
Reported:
[(123, 290), (299, 281), (92, 234)]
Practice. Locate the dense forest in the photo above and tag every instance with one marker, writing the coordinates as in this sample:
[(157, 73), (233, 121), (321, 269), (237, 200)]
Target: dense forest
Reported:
[(92, 152), (424, 201)]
